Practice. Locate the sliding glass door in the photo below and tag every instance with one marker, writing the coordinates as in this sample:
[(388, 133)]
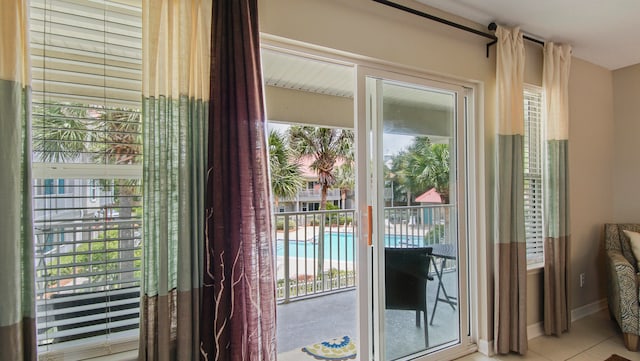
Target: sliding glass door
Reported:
[(401, 285), (416, 189)]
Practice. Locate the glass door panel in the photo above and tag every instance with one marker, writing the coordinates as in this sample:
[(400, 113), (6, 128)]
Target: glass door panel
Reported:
[(417, 206)]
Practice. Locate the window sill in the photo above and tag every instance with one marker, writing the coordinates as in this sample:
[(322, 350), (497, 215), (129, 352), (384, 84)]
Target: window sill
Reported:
[(535, 269), (121, 349), (122, 356)]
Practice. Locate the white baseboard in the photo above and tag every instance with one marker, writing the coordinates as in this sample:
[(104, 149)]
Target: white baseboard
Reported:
[(589, 309), (485, 347), (535, 330)]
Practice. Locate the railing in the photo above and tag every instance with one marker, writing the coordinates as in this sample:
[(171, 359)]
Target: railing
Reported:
[(88, 270), (315, 253), (418, 226), (422, 226), (88, 265), (314, 195)]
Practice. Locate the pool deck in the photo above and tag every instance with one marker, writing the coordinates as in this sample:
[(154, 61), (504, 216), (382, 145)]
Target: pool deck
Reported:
[(302, 267)]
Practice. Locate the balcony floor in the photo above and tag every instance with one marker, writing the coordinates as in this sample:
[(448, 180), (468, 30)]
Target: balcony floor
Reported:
[(305, 322)]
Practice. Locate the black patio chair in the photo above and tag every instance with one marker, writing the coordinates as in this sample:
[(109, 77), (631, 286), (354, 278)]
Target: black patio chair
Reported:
[(406, 276)]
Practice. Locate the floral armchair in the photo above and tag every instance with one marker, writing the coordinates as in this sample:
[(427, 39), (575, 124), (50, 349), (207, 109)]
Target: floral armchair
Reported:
[(623, 292)]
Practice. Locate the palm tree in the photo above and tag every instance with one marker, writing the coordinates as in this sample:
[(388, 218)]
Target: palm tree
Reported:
[(403, 180), (121, 140), (286, 179), (424, 165), (60, 133), (345, 181), (436, 171), (66, 132), (325, 146)]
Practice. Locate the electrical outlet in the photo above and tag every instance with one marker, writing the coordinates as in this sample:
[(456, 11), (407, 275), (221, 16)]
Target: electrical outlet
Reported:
[(581, 279)]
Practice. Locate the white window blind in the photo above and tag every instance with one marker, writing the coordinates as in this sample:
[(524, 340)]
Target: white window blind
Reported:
[(86, 67), (533, 166)]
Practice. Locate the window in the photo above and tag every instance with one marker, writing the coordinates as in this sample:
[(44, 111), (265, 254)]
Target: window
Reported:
[(48, 186), (60, 186), (93, 190), (87, 168), (533, 166)]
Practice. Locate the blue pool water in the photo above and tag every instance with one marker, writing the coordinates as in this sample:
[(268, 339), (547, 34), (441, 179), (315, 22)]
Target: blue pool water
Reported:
[(339, 246)]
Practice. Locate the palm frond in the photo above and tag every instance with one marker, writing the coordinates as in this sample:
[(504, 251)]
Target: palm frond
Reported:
[(60, 132)]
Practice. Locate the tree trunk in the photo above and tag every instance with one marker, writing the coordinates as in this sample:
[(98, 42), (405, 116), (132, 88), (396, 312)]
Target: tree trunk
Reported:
[(323, 197)]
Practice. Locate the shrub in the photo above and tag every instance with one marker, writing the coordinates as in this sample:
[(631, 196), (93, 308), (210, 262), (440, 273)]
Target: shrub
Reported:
[(338, 218), (435, 235), (280, 224)]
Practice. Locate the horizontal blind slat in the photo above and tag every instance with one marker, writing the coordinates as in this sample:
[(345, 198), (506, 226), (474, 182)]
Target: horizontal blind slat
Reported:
[(80, 331), (132, 302)]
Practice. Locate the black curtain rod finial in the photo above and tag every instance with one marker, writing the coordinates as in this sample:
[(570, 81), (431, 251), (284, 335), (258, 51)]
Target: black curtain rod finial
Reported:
[(493, 26)]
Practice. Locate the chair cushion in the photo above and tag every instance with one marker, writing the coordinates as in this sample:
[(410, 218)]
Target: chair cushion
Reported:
[(625, 243), (634, 241)]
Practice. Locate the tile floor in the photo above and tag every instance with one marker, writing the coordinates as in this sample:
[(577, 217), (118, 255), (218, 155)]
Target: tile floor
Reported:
[(593, 338)]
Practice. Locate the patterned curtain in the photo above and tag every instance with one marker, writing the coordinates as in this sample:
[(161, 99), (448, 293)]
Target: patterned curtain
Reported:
[(510, 248), (555, 82), (238, 320), (176, 58), (17, 304)]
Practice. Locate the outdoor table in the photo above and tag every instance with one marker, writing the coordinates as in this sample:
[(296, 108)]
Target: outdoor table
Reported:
[(442, 252)]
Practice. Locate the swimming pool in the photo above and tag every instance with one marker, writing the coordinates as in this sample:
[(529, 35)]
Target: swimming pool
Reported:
[(339, 246)]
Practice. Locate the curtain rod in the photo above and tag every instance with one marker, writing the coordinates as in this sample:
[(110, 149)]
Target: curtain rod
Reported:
[(491, 26)]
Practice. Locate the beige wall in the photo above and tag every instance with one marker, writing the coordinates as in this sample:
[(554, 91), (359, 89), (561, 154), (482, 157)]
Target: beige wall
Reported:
[(626, 88), (535, 287), (369, 29), (591, 144)]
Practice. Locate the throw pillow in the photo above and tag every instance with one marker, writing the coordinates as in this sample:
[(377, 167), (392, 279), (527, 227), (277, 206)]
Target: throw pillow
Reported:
[(634, 240)]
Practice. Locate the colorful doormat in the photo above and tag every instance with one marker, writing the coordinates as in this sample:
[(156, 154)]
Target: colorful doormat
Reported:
[(339, 348), (615, 357)]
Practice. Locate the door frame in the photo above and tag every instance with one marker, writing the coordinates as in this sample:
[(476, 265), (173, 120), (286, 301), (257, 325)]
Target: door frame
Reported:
[(371, 191), (479, 255)]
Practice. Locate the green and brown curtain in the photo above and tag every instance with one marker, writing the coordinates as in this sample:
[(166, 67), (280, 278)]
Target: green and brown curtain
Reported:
[(555, 82), (239, 304), (510, 323), (17, 282), (176, 60)]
